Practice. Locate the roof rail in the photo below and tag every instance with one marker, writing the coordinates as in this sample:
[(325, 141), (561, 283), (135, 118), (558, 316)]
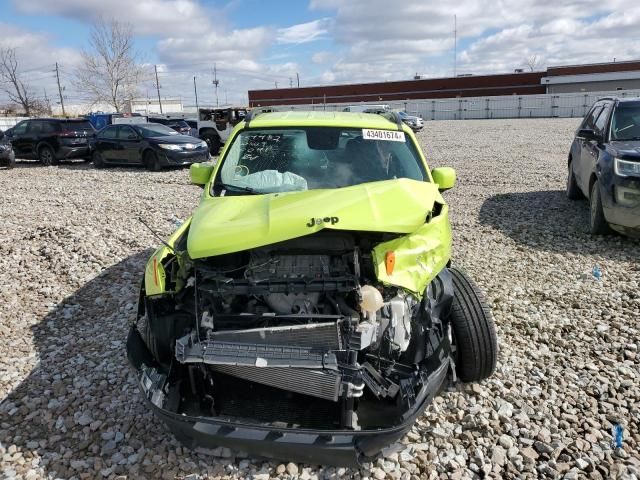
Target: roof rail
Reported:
[(254, 112), (393, 117)]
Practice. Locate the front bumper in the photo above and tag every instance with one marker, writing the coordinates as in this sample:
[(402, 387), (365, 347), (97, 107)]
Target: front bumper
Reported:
[(623, 218), (326, 447), (184, 158)]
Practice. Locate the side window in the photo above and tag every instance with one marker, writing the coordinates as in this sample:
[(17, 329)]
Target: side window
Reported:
[(601, 121), (20, 128), (109, 132), (124, 131), (49, 127), (590, 121), (35, 127)]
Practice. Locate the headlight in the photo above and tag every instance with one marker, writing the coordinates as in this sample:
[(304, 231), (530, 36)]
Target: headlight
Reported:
[(169, 146), (626, 168)]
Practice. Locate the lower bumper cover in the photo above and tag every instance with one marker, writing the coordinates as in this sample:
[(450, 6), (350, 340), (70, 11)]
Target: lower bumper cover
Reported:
[(74, 152), (326, 447)]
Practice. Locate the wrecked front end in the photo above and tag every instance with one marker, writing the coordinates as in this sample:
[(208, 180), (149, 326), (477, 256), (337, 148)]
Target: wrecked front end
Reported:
[(322, 348)]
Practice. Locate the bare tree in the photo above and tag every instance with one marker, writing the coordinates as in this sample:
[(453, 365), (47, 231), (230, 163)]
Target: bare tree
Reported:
[(110, 71), (12, 84), (532, 62)]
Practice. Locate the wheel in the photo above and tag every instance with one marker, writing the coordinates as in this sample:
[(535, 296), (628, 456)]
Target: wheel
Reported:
[(474, 332), (47, 157), (213, 141), (151, 161), (98, 161), (597, 223), (573, 191)]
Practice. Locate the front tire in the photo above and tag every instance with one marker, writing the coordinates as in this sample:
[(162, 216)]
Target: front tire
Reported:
[(151, 161), (474, 330), (597, 223), (46, 156), (573, 190), (98, 161)]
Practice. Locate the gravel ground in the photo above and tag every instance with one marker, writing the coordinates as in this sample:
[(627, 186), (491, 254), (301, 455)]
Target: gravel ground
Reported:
[(71, 254)]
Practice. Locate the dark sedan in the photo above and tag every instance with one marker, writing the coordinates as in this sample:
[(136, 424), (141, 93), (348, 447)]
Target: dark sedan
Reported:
[(149, 144), (604, 165)]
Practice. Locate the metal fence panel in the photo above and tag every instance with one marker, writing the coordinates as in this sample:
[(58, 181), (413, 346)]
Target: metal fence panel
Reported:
[(565, 105)]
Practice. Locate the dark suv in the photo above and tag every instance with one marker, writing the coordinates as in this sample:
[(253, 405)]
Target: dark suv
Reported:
[(604, 165), (177, 124), (51, 139)]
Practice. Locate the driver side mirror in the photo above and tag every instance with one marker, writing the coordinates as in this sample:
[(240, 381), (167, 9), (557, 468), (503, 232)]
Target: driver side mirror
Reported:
[(200, 173), (445, 177), (588, 134)]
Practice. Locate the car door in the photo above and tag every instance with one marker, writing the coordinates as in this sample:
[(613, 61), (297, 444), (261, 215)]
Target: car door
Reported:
[(594, 147), (130, 141), (106, 143), (582, 161), (19, 138)]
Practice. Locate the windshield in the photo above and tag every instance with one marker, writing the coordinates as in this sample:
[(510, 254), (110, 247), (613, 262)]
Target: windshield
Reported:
[(626, 122), (296, 159), (156, 130), (178, 124)]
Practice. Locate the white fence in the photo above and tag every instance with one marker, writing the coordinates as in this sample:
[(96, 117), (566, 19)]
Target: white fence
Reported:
[(565, 105), (8, 122)]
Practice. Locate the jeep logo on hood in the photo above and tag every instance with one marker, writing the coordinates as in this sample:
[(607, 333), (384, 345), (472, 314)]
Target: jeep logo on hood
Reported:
[(320, 221)]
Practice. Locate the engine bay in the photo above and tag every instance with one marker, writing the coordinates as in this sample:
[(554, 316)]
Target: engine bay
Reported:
[(299, 333)]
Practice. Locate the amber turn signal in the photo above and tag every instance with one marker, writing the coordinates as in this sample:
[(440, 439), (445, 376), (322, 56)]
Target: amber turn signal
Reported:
[(390, 261)]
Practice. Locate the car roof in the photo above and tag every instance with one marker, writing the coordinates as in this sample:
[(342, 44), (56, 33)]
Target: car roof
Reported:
[(322, 119), (60, 119), (620, 99)]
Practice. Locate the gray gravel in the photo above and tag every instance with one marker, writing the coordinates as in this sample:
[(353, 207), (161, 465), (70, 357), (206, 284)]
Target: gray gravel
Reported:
[(71, 254)]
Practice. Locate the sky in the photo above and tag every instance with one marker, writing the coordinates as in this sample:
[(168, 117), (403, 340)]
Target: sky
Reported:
[(258, 44)]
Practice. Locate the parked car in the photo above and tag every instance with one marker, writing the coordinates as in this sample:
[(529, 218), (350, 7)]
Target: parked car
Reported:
[(308, 309), (414, 122), (178, 125), (51, 139), (149, 144), (7, 156), (604, 165), (216, 124)]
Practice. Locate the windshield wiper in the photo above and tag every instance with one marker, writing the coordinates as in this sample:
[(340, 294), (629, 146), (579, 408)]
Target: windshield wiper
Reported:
[(238, 188)]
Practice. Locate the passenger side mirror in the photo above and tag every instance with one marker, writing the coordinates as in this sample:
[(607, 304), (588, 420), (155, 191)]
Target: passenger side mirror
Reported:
[(445, 177), (588, 134), (200, 173)]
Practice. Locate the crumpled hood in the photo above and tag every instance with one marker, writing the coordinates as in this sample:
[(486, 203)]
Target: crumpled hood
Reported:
[(627, 148), (229, 224)]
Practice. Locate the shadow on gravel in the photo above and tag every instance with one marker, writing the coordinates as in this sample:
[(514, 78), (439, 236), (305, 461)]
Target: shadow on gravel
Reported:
[(78, 410), (547, 220)]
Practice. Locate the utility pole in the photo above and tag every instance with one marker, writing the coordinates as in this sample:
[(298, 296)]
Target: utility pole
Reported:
[(298, 79), (158, 87), (455, 45), (216, 82), (64, 114), (276, 82), (195, 90), (290, 82), (46, 101)]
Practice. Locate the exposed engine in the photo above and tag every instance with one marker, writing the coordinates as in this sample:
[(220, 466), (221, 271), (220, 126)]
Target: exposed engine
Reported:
[(307, 318)]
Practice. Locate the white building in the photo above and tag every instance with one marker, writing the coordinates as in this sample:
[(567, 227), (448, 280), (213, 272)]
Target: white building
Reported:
[(147, 106)]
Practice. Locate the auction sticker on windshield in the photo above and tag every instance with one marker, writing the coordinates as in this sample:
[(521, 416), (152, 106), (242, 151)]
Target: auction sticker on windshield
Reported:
[(388, 135)]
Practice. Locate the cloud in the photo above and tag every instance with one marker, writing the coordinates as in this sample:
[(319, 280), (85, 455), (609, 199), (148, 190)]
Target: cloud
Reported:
[(376, 41), (148, 17), (304, 32)]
